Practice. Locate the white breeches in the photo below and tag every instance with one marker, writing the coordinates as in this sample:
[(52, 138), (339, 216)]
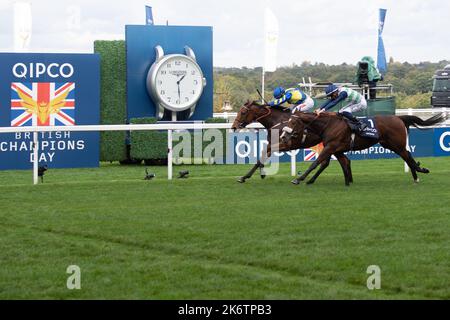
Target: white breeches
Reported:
[(356, 107), (307, 105)]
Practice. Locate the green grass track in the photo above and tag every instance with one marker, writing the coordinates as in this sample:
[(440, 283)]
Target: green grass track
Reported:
[(208, 237)]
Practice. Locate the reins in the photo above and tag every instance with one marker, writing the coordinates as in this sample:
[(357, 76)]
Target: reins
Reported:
[(265, 115), (309, 124)]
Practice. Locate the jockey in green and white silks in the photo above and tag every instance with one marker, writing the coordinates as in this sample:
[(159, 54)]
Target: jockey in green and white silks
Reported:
[(353, 100), (294, 96)]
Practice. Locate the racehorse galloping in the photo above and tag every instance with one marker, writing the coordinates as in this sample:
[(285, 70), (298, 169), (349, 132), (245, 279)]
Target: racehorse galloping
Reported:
[(275, 119), (337, 136)]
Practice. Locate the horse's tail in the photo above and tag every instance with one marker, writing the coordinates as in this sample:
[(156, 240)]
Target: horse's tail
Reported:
[(422, 124)]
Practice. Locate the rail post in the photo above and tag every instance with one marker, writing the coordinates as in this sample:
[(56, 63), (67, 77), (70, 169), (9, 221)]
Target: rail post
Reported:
[(169, 155), (35, 157), (293, 163)]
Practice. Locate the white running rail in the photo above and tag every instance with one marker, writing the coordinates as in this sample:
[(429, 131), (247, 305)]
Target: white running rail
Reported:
[(169, 127)]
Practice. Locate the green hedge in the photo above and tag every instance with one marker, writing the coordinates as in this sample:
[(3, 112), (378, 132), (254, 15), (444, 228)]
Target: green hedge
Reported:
[(152, 145), (216, 120), (147, 144), (112, 97), (204, 143)]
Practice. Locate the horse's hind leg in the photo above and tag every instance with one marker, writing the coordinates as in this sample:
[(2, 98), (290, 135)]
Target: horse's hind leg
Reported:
[(407, 157), (346, 168), (323, 166), (349, 168)]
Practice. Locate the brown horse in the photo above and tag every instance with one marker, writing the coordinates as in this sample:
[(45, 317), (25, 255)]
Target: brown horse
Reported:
[(275, 119), (338, 138)]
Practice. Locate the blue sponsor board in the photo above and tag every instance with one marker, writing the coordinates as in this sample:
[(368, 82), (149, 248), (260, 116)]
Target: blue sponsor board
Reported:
[(246, 147), (141, 42), (49, 90), (420, 144), (442, 142)]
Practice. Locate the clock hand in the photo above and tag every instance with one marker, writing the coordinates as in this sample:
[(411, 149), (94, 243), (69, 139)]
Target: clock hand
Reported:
[(178, 82), (179, 94)]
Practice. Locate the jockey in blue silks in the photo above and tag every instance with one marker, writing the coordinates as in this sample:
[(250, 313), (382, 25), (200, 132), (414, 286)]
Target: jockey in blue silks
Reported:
[(294, 96)]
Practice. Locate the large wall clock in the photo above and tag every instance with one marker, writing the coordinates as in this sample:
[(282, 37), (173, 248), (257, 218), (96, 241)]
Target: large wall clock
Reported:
[(175, 82)]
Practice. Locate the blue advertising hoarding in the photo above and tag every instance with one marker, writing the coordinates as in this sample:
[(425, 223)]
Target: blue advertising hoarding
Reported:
[(38, 89), (420, 144), (442, 142), (246, 147), (140, 44)]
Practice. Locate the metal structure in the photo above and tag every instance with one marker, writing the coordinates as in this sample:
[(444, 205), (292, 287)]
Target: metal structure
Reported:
[(317, 90)]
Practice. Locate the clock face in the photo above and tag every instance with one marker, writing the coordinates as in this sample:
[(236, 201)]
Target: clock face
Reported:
[(179, 82)]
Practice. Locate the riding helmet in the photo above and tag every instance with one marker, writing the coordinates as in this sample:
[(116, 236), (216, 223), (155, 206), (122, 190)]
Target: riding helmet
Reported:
[(278, 92), (331, 89)]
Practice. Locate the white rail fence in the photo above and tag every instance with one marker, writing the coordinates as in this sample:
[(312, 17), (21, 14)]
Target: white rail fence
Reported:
[(169, 127)]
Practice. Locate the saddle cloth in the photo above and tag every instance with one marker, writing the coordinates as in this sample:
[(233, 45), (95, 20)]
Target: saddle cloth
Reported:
[(370, 131)]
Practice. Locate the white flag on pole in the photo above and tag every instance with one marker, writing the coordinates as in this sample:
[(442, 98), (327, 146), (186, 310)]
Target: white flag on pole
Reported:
[(271, 30), (22, 26)]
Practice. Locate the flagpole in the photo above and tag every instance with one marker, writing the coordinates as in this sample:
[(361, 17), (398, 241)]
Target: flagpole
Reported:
[(263, 84)]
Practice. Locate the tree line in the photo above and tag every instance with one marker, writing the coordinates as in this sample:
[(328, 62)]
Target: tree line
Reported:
[(412, 82)]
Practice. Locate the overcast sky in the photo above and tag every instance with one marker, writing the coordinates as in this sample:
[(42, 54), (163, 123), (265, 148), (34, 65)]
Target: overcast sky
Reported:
[(326, 31)]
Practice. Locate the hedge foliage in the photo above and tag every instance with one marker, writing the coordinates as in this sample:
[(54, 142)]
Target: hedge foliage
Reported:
[(151, 145), (112, 97), (147, 144)]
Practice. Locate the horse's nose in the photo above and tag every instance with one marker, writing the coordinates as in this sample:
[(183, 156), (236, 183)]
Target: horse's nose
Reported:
[(283, 137)]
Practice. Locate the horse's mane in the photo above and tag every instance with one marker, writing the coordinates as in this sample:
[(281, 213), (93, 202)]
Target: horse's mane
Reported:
[(259, 104)]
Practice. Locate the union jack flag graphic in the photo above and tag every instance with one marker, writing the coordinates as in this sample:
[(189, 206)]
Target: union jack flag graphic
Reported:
[(42, 104), (312, 154)]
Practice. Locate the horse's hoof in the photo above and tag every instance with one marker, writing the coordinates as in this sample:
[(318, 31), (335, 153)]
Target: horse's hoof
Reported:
[(241, 180), (417, 181), (263, 176), (425, 170), (295, 181), (310, 182)]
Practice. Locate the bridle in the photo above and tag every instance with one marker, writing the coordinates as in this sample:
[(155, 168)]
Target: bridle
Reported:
[(247, 109), (269, 112)]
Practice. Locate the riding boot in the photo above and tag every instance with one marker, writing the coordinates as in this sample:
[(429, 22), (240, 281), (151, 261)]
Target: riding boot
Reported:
[(361, 125)]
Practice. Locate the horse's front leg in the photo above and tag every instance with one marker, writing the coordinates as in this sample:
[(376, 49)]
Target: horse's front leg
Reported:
[(250, 173), (323, 166), (324, 155)]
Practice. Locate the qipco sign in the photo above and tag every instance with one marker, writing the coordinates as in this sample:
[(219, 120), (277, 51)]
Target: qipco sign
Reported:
[(40, 89), (37, 70)]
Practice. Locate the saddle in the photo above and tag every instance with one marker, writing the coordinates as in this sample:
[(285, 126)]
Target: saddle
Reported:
[(370, 131)]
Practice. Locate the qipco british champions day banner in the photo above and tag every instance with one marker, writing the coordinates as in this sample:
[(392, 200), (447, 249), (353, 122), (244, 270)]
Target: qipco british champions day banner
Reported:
[(49, 90)]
